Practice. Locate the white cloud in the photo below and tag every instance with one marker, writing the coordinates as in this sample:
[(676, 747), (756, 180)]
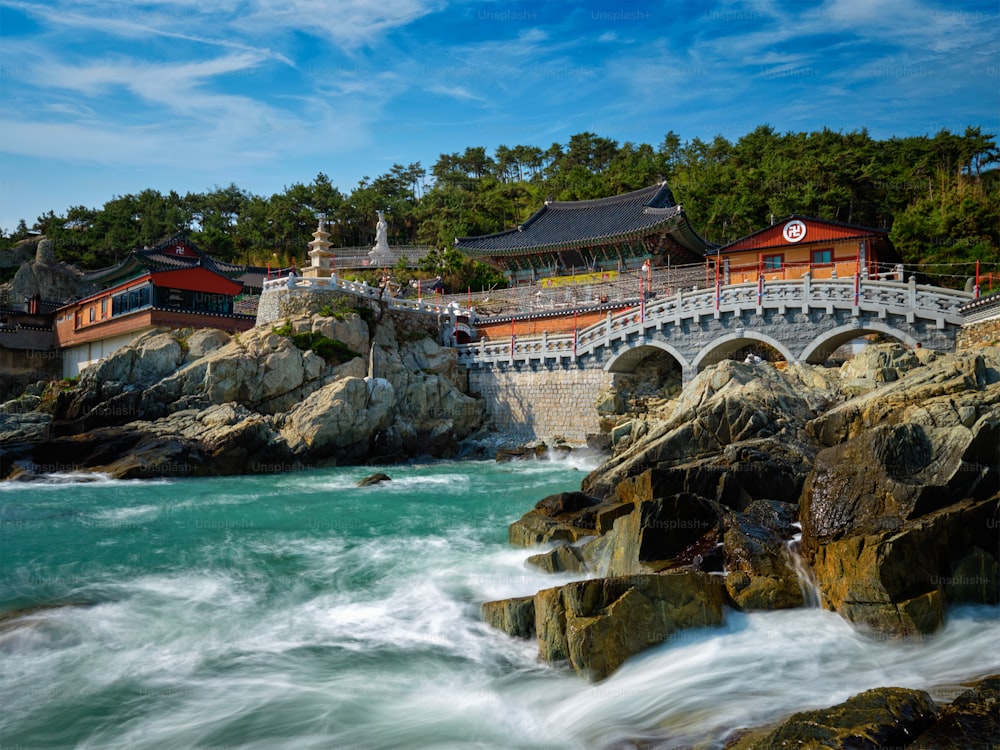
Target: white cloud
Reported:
[(170, 20), (350, 24), (456, 92)]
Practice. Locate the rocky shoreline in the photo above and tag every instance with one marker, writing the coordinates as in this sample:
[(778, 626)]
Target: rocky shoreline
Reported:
[(324, 388), (876, 486), (873, 488)]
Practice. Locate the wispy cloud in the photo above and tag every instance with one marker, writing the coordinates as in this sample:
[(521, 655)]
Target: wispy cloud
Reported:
[(349, 24)]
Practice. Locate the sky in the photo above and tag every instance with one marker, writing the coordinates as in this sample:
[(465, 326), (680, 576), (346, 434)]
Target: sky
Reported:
[(102, 98)]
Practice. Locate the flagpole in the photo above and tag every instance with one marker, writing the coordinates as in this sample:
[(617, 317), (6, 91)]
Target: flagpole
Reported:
[(642, 303), (576, 333), (716, 284)]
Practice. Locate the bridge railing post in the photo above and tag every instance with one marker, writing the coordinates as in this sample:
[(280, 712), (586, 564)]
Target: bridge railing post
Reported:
[(806, 291), (607, 329), (911, 298)]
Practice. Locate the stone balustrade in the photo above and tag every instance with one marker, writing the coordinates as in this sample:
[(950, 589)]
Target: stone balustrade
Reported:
[(359, 289), (864, 298)]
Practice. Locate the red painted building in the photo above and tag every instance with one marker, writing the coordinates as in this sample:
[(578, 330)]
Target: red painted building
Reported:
[(790, 248), (172, 285)]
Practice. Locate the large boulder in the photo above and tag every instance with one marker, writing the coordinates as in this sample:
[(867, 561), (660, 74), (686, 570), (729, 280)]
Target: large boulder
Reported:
[(731, 425), (201, 341), (898, 582), (883, 717), (261, 369), (147, 359), (339, 419), (563, 558), (599, 623), (760, 558), (950, 390), (433, 412), (515, 617), (892, 514), (662, 533), (349, 328), (222, 439), (875, 364), (908, 470)]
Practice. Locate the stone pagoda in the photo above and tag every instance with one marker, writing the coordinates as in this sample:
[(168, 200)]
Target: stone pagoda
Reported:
[(320, 255)]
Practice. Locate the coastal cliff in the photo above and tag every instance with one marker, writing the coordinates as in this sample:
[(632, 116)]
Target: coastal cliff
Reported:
[(328, 386)]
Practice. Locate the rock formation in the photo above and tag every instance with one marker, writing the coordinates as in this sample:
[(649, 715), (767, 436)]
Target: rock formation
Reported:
[(273, 398), (889, 717), (40, 274), (890, 468), (598, 623)]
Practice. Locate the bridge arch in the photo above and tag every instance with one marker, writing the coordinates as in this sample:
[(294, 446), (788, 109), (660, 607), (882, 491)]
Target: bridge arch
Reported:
[(826, 343), (720, 348), (627, 360)]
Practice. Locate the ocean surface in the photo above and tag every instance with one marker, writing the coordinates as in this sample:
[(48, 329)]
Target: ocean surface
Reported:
[(300, 611)]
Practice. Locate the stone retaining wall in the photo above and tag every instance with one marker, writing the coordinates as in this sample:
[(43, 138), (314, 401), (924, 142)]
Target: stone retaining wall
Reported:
[(538, 402), (982, 333)]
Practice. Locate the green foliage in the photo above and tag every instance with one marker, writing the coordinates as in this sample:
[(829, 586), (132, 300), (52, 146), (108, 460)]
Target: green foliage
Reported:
[(938, 194), (333, 351), (340, 307), (459, 272)]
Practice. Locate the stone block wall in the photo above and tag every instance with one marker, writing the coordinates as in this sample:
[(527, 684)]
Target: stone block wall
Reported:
[(980, 333), (538, 402), (276, 305)]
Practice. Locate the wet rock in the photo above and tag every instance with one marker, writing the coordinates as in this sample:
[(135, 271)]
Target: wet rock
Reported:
[(897, 582), (972, 720), (532, 529), (758, 558), (550, 625), (883, 717), (563, 558), (657, 535), (599, 623), (373, 479), (564, 516), (515, 617), (528, 452), (909, 470)]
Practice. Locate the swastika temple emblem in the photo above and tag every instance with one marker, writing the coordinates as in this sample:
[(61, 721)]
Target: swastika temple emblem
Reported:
[(794, 231)]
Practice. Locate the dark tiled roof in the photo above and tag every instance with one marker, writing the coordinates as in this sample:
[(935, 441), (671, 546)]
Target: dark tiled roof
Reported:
[(575, 224), (157, 259), (985, 302)]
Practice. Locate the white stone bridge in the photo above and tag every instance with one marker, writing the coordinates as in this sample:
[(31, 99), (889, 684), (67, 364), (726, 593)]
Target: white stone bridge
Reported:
[(546, 385), (803, 320)]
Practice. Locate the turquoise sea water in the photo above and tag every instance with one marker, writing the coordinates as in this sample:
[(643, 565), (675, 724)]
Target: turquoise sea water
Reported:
[(299, 611)]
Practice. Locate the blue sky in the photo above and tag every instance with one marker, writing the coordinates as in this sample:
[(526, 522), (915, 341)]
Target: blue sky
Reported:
[(103, 98)]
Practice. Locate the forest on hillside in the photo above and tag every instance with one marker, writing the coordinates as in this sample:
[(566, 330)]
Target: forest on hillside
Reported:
[(939, 195)]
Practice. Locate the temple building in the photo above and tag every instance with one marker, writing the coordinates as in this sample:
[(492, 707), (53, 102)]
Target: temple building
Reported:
[(579, 237), (173, 285), (798, 244)]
